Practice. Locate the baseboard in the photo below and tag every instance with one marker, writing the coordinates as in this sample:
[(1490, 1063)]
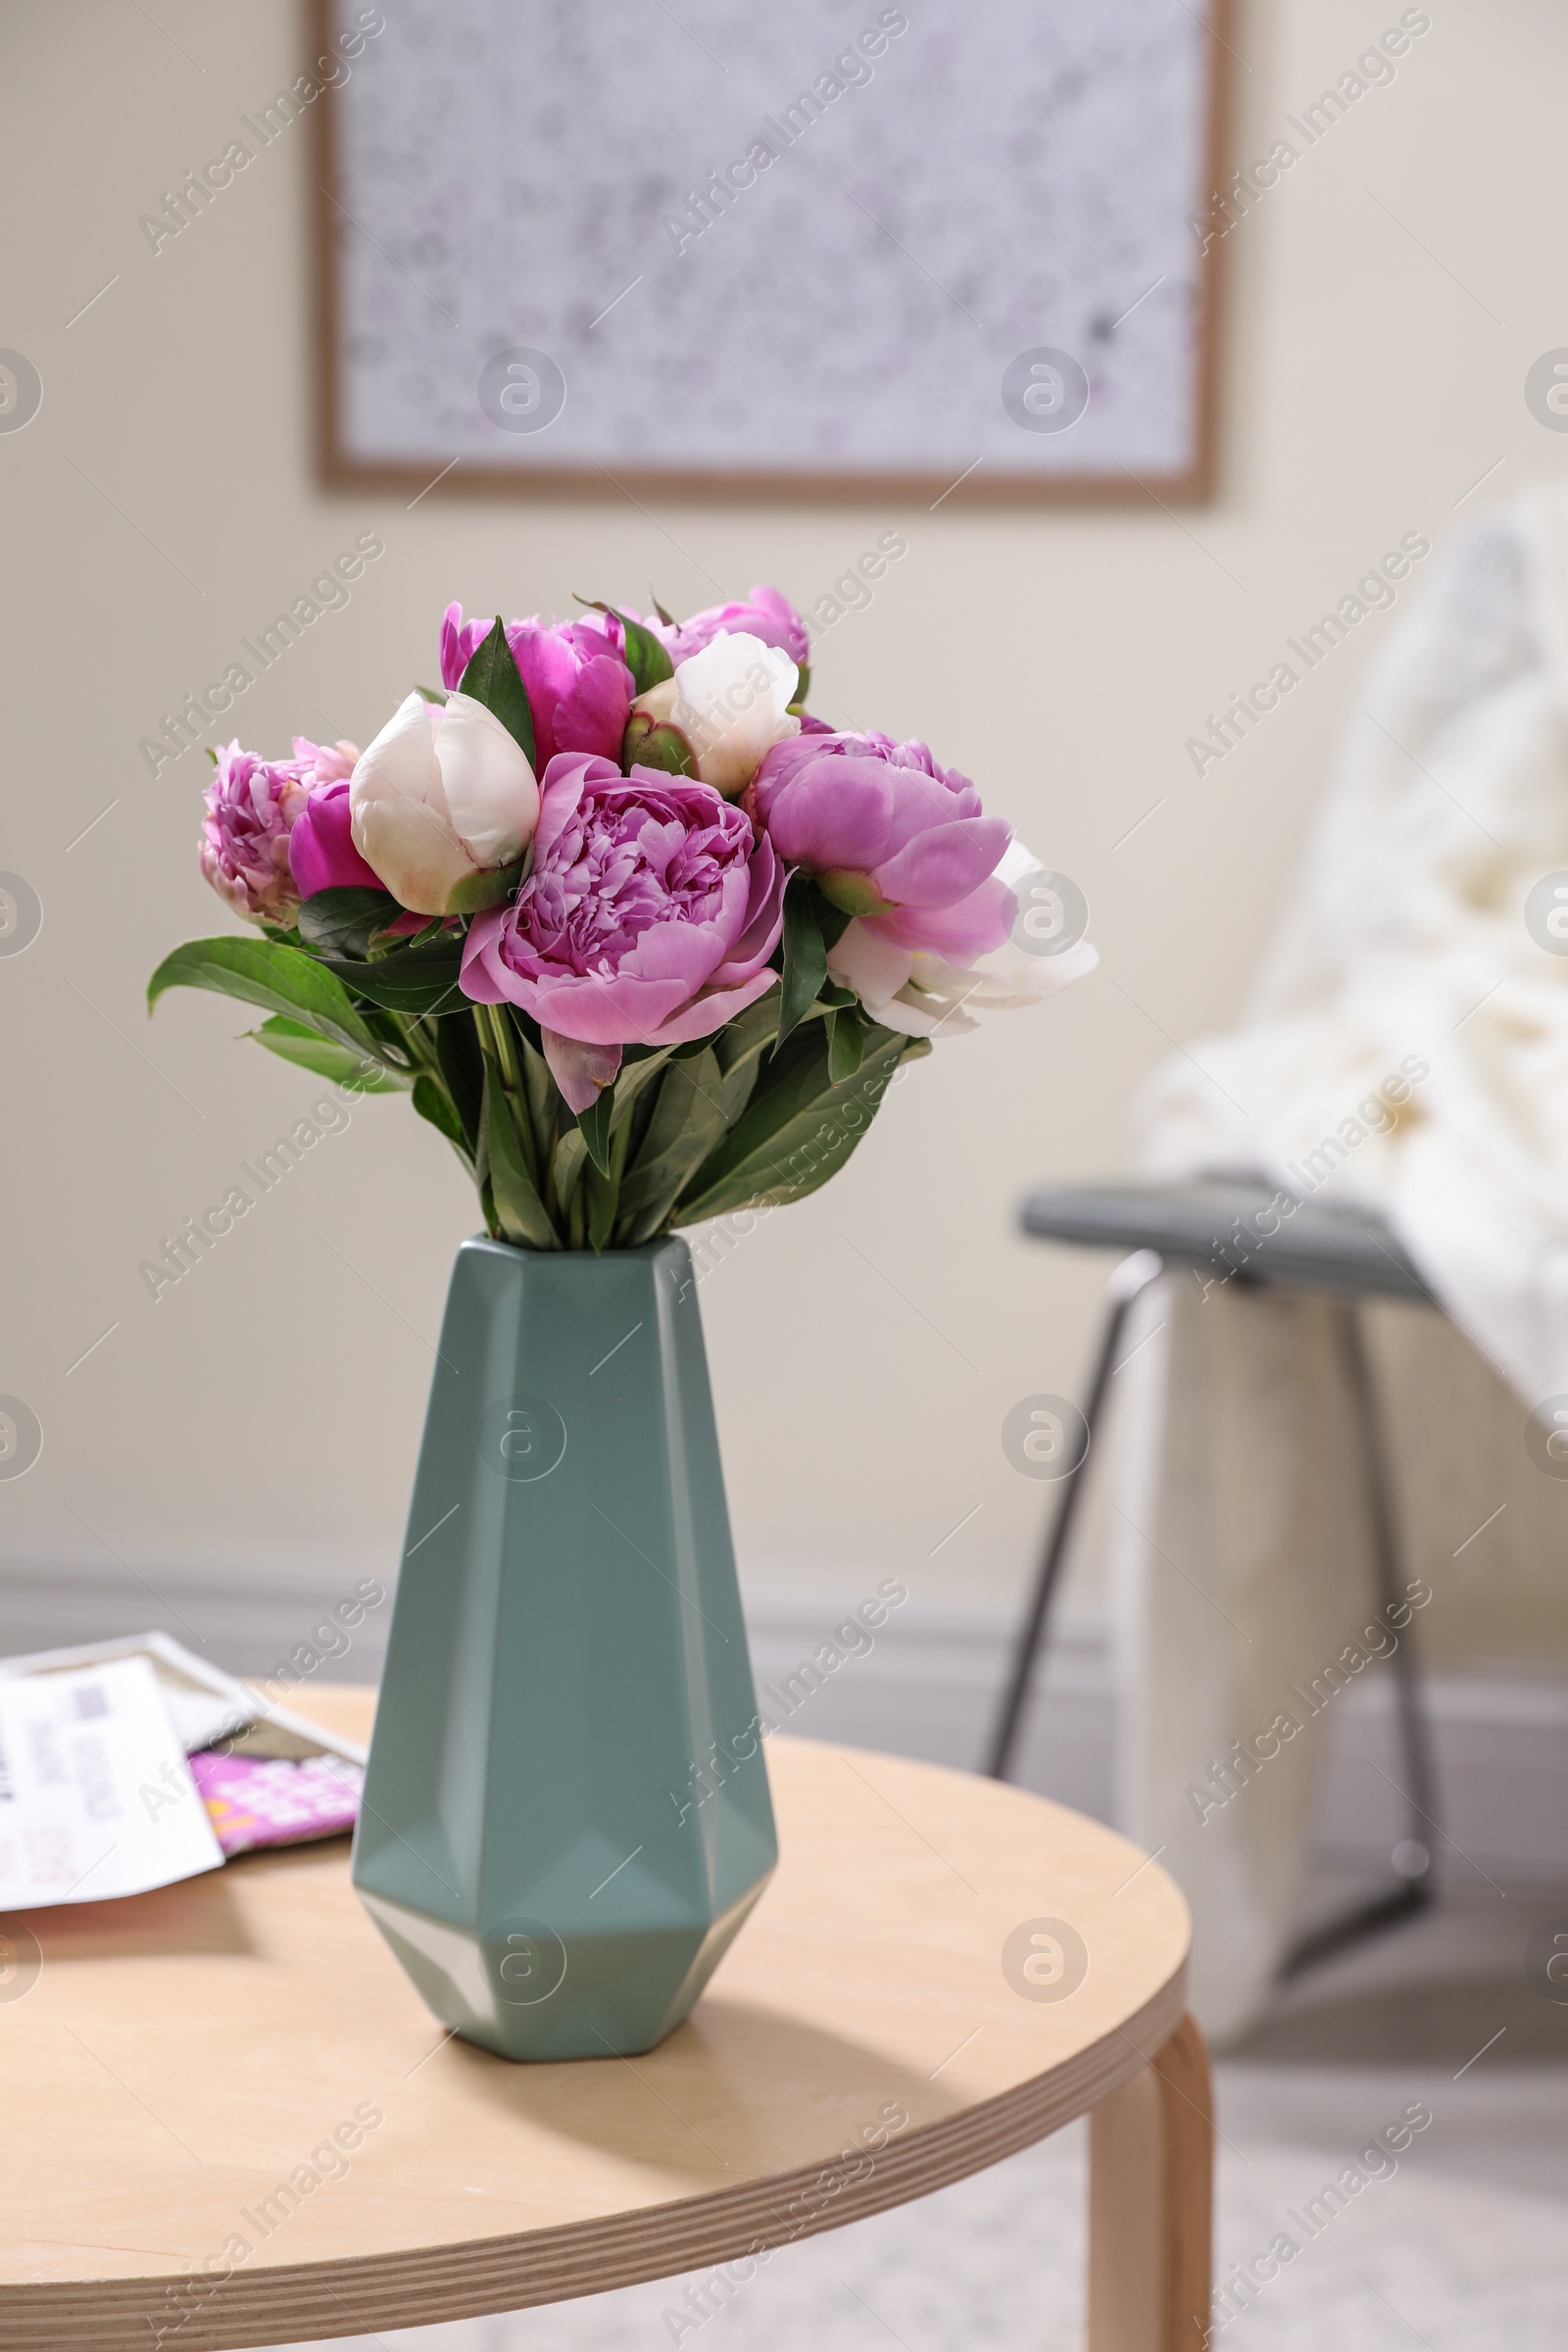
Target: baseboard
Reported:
[(249, 1626), (930, 1688), (927, 1687), (930, 1684)]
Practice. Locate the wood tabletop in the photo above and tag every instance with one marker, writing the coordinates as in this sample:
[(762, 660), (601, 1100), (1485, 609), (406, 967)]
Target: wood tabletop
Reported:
[(230, 2120)]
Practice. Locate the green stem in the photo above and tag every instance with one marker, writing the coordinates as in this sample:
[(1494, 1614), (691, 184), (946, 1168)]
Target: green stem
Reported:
[(552, 1198), (505, 1049), (503, 1053), (420, 1048)]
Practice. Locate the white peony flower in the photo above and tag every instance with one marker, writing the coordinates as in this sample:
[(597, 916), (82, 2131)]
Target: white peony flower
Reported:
[(442, 799)]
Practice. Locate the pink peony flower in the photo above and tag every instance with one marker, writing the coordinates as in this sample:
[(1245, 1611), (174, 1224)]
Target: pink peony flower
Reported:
[(765, 614), (579, 688), (649, 916), (253, 805), (331, 762), (891, 838)]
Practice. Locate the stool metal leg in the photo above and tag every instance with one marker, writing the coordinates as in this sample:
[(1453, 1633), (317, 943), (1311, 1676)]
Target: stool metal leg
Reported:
[(1128, 1282), (1413, 1855)]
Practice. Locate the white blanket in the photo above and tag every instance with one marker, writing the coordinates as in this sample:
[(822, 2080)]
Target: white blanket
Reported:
[(1406, 1046), (1407, 949)]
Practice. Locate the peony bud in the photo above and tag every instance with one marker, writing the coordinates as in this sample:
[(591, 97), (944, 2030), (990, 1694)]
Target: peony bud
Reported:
[(652, 742), (442, 804), (730, 703)]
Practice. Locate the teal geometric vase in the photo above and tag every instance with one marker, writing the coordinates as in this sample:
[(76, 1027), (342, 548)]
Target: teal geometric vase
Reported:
[(566, 1816)]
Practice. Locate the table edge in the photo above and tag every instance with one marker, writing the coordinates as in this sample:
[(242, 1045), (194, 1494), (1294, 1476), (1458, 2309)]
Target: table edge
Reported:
[(421, 2285)]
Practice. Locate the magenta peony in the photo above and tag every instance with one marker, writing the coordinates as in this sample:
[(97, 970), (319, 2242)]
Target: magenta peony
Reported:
[(321, 849), (765, 614), (252, 808), (647, 917), (891, 838), (579, 688)]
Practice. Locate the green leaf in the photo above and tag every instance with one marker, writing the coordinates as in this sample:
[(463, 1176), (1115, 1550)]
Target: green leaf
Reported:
[(540, 1091), (602, 1192), (803, 687), (519, 1211), (418, 980), (593, 1124), (430, 929), (844, 1043), (635, 1075), (492, 678), (743, 1038), (668, 618), (603, 1198), (343, 922), (567, 1167), (280, 979), (458, 1057), (646, 658), (805, 956), (786, 1081), (740, 1045), (800, 1129), (688, 1121), (432, 1101), (292, 1041), (649, 665)]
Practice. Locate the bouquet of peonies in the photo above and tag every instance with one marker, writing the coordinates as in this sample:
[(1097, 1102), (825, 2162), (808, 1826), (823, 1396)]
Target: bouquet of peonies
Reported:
[(645, 941)]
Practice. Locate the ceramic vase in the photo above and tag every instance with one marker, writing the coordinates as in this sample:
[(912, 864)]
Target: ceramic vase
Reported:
[(566, 1816)]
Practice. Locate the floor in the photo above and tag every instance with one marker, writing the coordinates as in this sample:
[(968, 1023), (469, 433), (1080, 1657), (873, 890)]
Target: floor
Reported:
[(1462, 2248)]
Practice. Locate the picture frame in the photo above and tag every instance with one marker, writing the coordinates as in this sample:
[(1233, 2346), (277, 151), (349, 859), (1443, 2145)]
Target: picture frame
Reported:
[(408, 318)]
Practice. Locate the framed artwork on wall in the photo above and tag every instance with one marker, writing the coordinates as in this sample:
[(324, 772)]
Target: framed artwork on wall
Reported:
[(817, 251)]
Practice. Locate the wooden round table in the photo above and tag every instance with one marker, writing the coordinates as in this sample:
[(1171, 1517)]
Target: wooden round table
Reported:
[(230, 2120)]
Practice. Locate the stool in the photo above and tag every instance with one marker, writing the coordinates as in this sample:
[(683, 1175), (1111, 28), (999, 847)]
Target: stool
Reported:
[(1263, 1238)]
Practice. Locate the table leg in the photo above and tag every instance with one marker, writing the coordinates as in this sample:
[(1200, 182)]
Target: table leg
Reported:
[(1151, 2205)]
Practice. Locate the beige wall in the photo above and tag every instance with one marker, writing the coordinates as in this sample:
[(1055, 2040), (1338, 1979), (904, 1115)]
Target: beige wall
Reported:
[(868, 1343)]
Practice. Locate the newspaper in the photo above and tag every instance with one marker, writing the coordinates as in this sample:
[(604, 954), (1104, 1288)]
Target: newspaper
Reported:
[(96, 1796), (131, 1764)]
